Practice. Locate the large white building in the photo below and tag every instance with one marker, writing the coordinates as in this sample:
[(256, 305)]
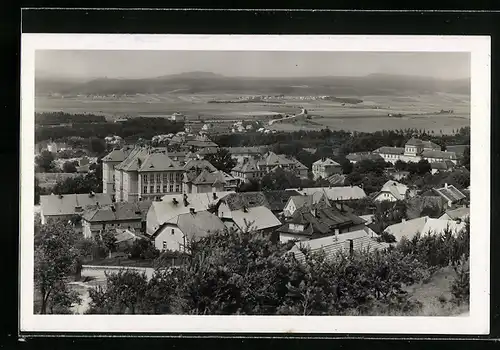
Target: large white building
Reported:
[(325, 167), (414, 151)]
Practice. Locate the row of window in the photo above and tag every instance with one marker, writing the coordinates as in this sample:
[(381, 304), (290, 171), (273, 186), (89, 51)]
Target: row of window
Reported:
[(161, 189), (166, 177)]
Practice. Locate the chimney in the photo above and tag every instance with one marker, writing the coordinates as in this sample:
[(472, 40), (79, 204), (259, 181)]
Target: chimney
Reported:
[(403, 220), (245, 209), (446, 185), (215, 195), (175, 201), (113, 208), (336, 234), (351, 247), (192, 211)]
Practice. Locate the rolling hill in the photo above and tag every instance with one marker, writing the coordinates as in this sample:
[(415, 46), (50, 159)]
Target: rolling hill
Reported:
[(211, 83)]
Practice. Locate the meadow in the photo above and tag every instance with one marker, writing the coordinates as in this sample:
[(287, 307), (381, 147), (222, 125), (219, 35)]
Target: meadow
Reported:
[(370, 115)]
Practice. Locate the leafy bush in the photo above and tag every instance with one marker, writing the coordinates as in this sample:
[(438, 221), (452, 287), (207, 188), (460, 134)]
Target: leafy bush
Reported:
[(143, 249), (460, 288)]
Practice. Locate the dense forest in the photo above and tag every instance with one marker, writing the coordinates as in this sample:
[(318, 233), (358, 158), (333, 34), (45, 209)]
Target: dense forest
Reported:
[(55, 118), (131, 130)]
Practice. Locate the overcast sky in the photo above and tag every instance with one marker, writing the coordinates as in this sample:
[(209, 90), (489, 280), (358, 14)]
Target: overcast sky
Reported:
[(142, 64)]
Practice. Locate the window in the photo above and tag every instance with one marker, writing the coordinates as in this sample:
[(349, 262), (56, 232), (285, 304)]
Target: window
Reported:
[(173, 232), (164, 178), (158, 188), (158, 177), (164, 245), (171, 177), (164, 188), (145, 189), (151, 189), (178, 177), (145, 178), (177, 189), (151, 177), (171, 188)]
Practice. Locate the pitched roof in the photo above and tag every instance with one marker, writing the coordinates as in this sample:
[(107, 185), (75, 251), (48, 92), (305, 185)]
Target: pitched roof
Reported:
[(321, 219), (206, 177), (414, 142), (431, 145), (165, 210), (335, 193), (438, 226), (444, 165), (255, 218), (332, 245), (119, 211), (450, 193), (356, 157), (66, 204), (398, 190), (199, 224), (301, 201), (326, 162), (439, 155), (457, 149), (199, 164), (408, 228), (415, 205), (247, 150), (117, 155), (459, 213), (278, 199), (390, 150), (159, 162), (123, 235), (236, 201), (336, 179)]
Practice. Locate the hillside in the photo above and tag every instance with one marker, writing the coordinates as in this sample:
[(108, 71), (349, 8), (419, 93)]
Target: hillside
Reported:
[(211, 83)]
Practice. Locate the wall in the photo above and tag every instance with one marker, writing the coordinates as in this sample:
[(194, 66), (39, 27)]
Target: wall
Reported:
[(285, 237), (174, 241), (289, 208), (91, 229), (385, 196)]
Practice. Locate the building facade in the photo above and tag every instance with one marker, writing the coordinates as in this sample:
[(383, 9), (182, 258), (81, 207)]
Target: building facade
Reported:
[(414, 151), (325, 168)]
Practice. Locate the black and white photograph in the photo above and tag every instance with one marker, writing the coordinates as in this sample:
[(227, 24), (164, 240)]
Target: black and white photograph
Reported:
[(271, 183)]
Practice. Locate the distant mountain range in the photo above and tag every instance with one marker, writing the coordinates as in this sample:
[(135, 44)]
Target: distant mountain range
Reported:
[(211, 83)]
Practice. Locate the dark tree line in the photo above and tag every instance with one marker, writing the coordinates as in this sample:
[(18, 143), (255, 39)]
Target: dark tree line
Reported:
[(132, 129), (52, 118)]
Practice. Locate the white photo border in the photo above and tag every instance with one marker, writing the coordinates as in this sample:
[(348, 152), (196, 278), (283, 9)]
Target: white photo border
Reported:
[(477, 323)]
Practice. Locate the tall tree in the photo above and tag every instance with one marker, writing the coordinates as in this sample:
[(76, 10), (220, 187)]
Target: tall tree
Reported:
[(222, 160), (45, 162), (56, 259)]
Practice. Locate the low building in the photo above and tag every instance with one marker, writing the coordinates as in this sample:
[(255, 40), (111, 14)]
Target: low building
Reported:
[(414, 151), (176, 233), (397, 175), (310, 222), (392, 191), (68, 205), (357, 157), (122, 215), (407, 228), (444, 166), (336, 180), (458, 214), (215, 181), (295, 203), (277, 200), (440, 226), (451, 194), (335, 194), (247, 211), (173, 205), (360, 241), (242, 153), (125, 238), (325, 167), (257, 168)]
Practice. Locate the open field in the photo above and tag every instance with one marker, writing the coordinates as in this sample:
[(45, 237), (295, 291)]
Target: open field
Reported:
[(419, 111)]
